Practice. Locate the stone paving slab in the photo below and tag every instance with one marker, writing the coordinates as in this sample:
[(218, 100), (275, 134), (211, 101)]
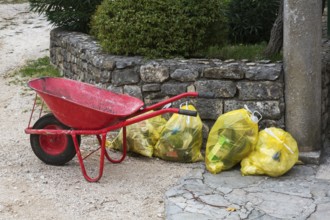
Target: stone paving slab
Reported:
[(302, 193)]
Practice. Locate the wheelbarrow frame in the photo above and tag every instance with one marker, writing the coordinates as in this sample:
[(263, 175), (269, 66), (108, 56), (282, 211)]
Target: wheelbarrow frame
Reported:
[(101, 134)]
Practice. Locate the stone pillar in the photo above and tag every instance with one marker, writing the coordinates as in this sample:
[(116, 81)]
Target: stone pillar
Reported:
[(302, 66)]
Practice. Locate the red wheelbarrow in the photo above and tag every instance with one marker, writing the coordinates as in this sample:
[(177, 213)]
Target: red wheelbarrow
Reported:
[(82, 109)]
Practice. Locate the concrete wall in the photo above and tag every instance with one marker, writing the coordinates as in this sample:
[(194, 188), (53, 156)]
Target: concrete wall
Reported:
[(302, 65)]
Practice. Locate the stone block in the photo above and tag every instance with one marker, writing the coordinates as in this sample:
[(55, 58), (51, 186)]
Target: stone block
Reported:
[(221, 89), (230, 71), (74, 59), (209, 108), (108, 63), (268, 109), (133, 91), (66, 57), (60, 66), (66, 66), (229, 61), (115, 89), (97, 76), (312, 157), (74, 68), (103, 62), (67, 73), (151, 87), (154, 72), (60, 58), (105, 76), (84, 66), (266, 123), (174, 88), (263, 73), (149, 101), (264, 61), (125, 76), (191, 88), (126, 62), (185, 75), (154, 96), (260, 90), (83, 57), (80, 76), (93, 71)]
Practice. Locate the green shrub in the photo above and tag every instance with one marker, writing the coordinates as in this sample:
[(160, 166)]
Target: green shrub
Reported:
[(250, 21), (159, 28), (69, 14)]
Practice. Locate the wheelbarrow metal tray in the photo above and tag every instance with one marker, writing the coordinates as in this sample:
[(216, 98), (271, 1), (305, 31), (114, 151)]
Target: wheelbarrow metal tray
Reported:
[(84, 106)]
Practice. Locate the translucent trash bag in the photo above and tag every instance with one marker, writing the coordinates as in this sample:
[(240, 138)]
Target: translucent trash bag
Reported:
[(181, 140), (141, 137), (232, 138), (276, 153)]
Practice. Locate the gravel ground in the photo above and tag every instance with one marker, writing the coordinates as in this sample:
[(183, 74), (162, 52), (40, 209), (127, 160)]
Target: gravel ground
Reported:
[(30, 189)]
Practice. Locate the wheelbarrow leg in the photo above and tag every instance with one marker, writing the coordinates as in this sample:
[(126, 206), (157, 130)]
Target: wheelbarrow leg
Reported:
[(81, 160), (124, 149)]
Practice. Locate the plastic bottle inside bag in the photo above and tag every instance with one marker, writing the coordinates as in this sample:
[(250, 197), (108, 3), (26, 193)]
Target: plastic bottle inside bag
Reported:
[(232, 137)]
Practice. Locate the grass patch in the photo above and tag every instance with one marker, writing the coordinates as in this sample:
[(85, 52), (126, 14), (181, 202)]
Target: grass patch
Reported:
[(34, 69), (239, 52), (38, 68)]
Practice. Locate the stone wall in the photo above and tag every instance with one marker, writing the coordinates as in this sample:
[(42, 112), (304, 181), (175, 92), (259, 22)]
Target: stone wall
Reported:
[(259, 84), (325, 87)]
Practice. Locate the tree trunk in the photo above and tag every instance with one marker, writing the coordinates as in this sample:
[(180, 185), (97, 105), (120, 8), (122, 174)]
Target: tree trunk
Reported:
[(275, 43)]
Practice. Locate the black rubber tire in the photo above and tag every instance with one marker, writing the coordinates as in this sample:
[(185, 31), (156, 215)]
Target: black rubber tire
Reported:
[(57, 158)]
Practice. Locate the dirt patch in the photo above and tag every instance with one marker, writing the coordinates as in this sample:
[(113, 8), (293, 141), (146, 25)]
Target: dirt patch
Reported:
[(30, 189), (13, 1)]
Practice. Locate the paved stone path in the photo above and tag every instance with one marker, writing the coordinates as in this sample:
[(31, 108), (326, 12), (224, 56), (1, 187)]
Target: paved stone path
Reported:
[(302, 193)]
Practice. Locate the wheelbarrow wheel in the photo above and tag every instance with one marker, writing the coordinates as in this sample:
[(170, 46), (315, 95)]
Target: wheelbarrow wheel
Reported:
[(53, 149)]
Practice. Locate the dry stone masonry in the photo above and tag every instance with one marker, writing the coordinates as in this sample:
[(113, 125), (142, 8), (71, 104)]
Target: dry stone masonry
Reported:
[(325, 87), (234, 83)]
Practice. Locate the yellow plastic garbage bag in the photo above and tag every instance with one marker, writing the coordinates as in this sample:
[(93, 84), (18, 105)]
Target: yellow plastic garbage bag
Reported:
[(181, 140), (275, 154), (232, 138), (141, 137)]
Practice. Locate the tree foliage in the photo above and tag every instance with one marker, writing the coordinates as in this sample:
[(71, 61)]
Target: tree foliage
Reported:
[(250, 21), (69, 14)]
